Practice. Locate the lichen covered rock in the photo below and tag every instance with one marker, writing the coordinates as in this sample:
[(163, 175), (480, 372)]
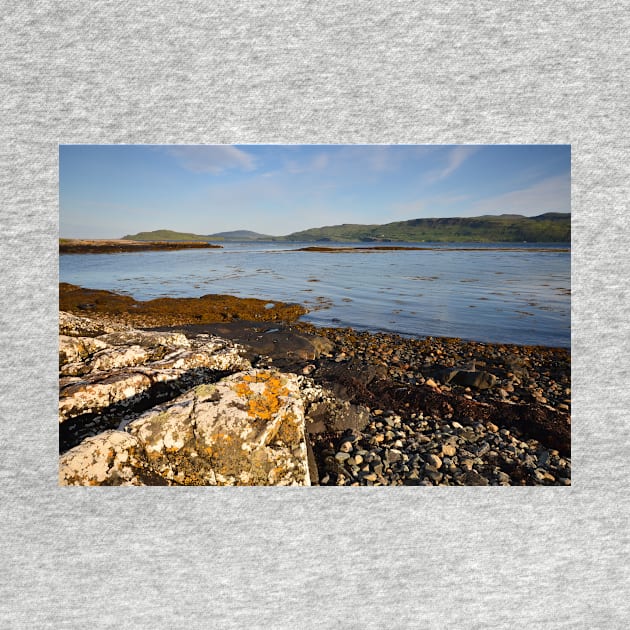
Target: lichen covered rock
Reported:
[(126, 368), (75, 326), (247, 429), (113, 458)]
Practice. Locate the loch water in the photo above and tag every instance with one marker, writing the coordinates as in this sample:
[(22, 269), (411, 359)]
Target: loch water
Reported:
[(499, 293)]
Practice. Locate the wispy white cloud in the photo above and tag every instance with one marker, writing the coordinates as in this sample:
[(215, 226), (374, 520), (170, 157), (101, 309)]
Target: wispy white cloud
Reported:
[(212, 158), (316, 163), (371, 158), (320, 161), (341, 160), (455, 158), (549, 195)]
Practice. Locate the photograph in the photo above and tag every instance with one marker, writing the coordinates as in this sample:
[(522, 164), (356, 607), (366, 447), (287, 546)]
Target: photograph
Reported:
[(315, 315)]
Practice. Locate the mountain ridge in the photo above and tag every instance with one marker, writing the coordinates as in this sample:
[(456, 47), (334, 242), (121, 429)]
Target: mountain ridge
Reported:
[(544, 228)]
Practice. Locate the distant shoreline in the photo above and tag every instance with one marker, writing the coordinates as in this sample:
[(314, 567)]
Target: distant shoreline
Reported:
[(116, 246), (362, 249)]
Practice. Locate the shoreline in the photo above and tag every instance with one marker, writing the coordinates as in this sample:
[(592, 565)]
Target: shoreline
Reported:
[(488, 414), (216, 308), (117, 246), (437, 248)]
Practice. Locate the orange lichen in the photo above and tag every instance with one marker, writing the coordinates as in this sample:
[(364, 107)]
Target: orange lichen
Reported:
[(262, 405)]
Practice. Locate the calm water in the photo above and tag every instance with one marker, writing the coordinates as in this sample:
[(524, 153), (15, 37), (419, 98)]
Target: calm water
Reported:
[(488, 295)]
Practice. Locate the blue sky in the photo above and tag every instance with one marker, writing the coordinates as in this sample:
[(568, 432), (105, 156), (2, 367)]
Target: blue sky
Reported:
[(107, 191)]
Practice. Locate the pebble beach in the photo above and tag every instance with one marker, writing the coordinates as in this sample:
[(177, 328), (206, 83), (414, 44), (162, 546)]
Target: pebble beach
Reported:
[(384, 409)]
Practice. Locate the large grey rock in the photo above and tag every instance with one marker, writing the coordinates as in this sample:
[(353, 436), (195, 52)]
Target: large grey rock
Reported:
[(112, 458), (74, 326), (126, 368), (74, 350), (247, 429), (327, 413), (470, 378)]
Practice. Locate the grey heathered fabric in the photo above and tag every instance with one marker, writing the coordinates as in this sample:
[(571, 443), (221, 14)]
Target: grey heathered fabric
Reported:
[(302, 72)]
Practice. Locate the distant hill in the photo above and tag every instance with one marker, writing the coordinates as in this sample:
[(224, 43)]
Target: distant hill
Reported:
[(170, 235), (240, 235), (165, 235), (552, 227)]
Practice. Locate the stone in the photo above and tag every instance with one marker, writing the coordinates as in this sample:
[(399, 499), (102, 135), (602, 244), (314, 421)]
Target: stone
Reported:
[(246, 429), (432, 473), (128, 369), (449, 450), (543, 458), (470, 378), (434, 460), (482, 449), (77, 349), (346, 447), (393, 455), (326, 413), (473, 478), (74, 326), (111, 458)]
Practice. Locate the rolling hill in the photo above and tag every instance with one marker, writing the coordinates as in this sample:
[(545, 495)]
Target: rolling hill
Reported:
[(164, 235), (171, 235), (551, 227), (544, 228)]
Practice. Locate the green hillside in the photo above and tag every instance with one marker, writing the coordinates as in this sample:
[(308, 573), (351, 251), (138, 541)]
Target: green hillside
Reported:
[(170, 235), (552, 227), (545, 228), (240, 235), (166, 235)]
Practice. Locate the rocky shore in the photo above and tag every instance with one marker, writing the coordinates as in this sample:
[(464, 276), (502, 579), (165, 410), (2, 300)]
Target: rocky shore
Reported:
[(255, 402), (117, 246)]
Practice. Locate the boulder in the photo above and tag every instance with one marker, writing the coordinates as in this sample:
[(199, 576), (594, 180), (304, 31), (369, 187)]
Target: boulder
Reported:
[(247, 429), (113, 458), (76, 349), (128, 368), (326, 413), (74, 326), (470, 378)]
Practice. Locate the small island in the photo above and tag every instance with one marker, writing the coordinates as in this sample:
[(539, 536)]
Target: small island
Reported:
[(117, 246)]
